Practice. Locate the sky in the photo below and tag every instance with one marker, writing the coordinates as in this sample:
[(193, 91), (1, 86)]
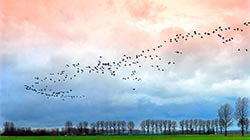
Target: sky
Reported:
[(38, 37)]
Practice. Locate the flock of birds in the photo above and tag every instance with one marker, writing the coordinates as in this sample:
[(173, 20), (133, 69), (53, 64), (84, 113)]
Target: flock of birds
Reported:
[(44, 85), (216, 31)]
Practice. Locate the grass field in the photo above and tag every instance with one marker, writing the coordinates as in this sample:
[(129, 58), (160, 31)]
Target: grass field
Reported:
[(149, 137)]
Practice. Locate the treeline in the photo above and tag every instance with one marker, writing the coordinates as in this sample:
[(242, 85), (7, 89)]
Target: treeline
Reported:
[(220, 125), (119, 128), (81, 128), (195, 126)]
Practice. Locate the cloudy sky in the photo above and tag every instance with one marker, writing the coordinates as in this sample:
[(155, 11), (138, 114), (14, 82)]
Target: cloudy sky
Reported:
[(41, 36)]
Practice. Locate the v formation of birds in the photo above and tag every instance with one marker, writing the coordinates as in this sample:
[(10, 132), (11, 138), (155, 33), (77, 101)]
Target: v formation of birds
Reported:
[(44, 85)]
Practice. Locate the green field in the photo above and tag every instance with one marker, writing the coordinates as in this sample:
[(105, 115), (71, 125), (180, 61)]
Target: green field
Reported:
[(148, 137)]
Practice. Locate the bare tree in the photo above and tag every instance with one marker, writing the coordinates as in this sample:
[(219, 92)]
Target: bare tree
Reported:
[(216, 123), (152, 125), (114, 125), (169, 126), (68, 126), (213, 126), (12, 127), (131, 126), (93, 127), (102, 125), (174, 126), (241, 113), (123, 123), (204, 126), (98, 125), (200, 125), (85, 125), (6, 126), (221, 125), (186, 124), (247, 124), (143, 126), (225, 115), (160, 125), (110, 126), (208, 126), (106, 126), (195, 125), (80, 127), (156, 126), (165, 122), (148, 125), (191, 126), (119, 125), (208, 123), (181, 125)]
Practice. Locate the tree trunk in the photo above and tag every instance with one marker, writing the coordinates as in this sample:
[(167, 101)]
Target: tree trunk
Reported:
[(225, 131), (242, 130)]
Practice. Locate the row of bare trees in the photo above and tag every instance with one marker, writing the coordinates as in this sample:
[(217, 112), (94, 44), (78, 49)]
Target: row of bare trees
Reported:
[(11, 130), (226, 116), (185, 126), (158, 126), (198, 126), (101, 127)]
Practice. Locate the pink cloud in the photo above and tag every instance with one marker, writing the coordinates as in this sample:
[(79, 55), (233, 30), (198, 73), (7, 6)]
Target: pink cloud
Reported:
[(146, 9), (114, 22)]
